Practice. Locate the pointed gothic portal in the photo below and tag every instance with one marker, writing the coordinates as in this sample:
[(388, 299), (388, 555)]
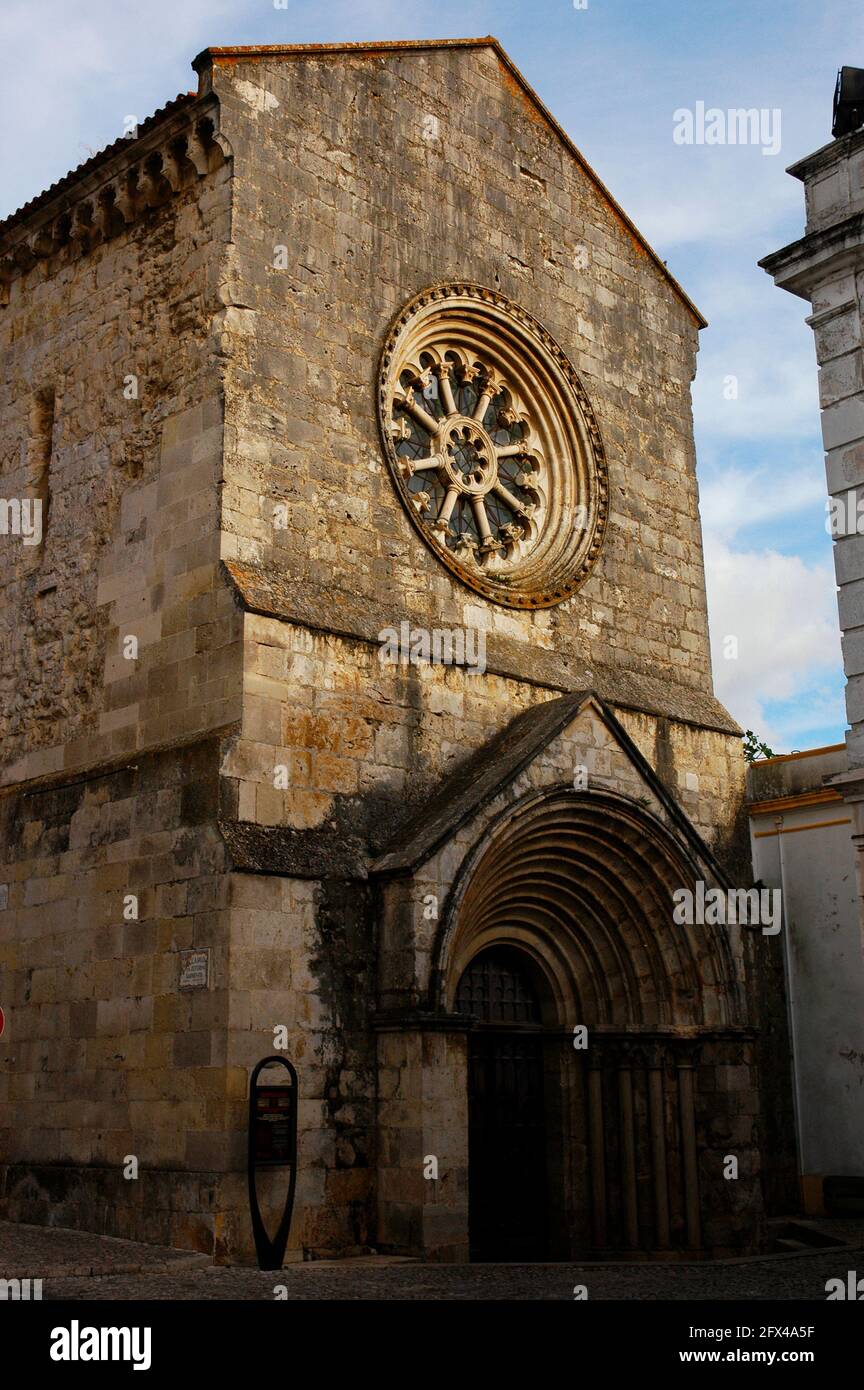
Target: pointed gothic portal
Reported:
[(563, 920)]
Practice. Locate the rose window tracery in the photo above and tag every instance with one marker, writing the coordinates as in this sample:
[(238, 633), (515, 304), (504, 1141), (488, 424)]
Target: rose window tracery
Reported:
[(496, 456)]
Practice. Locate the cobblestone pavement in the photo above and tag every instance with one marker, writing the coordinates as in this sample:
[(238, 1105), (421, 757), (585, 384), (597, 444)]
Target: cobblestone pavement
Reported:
[(783, 1277), (78, 1266), (38, 1252)]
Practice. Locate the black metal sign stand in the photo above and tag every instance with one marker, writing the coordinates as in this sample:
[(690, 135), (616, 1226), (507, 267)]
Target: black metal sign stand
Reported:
[(272, 1144)]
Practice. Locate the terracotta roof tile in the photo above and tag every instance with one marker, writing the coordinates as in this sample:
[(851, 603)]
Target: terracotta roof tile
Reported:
[(101, 157)]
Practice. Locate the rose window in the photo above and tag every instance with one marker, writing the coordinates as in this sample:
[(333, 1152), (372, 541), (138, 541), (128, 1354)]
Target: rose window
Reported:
[(493, 445)]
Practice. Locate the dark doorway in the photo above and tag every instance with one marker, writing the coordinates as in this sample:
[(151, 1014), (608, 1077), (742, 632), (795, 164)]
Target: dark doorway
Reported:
[(507, 1183)]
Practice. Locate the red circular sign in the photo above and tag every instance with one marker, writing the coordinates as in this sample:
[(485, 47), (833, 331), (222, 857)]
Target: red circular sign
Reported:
[(2, 1020)]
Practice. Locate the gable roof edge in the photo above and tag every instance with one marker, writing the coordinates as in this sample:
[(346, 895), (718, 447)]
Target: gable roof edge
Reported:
[(504, 57), (679, 818), (411, 847), (239, 52)]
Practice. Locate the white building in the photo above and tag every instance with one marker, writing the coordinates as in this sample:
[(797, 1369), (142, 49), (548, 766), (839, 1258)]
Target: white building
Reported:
[(802, 840), (808, 834)]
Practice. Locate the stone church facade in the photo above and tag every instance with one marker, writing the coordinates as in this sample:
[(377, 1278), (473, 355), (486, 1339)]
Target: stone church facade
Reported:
[(344, 363)]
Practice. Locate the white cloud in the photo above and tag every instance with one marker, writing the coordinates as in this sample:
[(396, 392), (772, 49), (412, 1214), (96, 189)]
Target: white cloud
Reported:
[(783, 613), (776, 383), (712, 194), (738, 498), (72, 73)]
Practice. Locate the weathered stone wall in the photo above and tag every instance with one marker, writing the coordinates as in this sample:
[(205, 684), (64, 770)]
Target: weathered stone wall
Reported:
[(122, 340), (105, 1057), (302, 961), (423, 1091), (363, 739), (111, 411), (377, 212), (257, 387)]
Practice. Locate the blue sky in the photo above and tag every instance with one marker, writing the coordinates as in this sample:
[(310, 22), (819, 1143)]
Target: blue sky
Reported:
[(613, 74)]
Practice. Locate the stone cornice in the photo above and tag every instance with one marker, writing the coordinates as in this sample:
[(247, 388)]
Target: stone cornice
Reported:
[(827, 156), (171, 151), (813, 257), (268, 591)]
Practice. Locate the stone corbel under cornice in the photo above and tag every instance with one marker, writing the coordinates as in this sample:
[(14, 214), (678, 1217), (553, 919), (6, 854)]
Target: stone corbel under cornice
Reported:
[(142, 173), (817, 257)]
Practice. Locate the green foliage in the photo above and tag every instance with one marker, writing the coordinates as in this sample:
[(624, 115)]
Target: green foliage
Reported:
[(754, 748)]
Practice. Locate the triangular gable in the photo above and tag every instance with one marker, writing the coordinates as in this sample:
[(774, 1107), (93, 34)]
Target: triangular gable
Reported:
[(243, 53), (492, 768)]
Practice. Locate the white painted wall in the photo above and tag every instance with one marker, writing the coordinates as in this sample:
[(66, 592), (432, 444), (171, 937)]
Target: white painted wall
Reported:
[(825, 964)]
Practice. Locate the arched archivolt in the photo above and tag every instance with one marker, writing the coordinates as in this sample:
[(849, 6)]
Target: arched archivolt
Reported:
[(583, 883)]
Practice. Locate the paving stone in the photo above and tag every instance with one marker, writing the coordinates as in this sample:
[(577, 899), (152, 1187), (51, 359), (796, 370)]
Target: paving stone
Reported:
[(51, 1252), (781, 1277)]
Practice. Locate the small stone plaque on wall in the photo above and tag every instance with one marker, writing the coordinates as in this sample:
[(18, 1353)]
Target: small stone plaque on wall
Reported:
[(194, 969)]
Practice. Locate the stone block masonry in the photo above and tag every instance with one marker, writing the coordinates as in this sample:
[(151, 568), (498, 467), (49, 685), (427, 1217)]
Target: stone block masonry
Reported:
[(202, 750)]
